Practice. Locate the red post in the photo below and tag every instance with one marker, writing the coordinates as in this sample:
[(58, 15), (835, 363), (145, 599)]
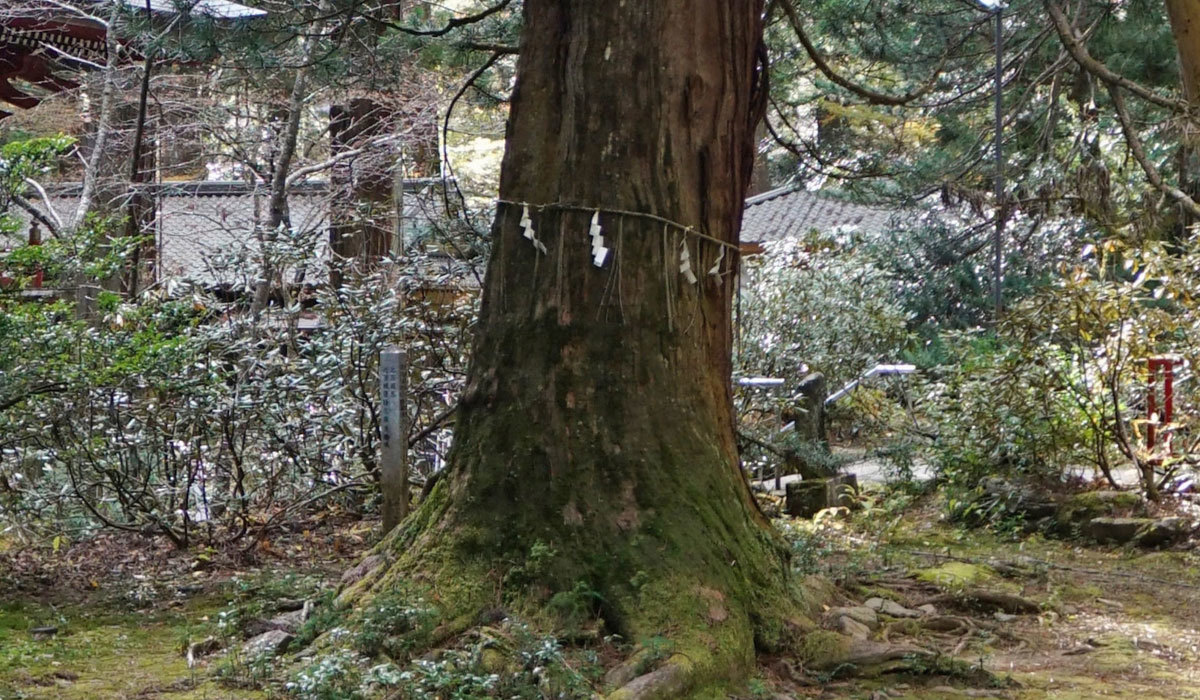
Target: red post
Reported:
[(1166, 363), (1151, 408)]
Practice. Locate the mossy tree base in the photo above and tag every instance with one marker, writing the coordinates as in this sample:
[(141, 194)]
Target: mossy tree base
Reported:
[(594, 476), (695, 614)]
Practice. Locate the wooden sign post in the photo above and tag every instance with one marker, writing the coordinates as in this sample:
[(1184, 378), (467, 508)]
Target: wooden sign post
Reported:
[(393, 428)]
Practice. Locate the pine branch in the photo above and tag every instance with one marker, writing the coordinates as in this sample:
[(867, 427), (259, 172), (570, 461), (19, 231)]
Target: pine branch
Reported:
[(1079, 52), (871, 96)]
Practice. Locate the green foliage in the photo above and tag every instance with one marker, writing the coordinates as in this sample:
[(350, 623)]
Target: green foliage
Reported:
[(814, 457), (395, 623), (999, 412), (1059, 387), (324, 616), (819, 305), (29, 158), (506, 662), (535, 567), (335, 676), (576, 606), (181, 413), (654, 650), (759, 689), (810, 549)]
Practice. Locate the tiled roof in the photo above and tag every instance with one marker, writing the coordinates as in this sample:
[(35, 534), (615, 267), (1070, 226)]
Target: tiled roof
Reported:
[(791, 212)]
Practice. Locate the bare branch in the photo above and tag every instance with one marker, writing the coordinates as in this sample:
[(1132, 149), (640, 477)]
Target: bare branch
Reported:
[(1139, 154), (502, 49), (450, 26), (56, 223), (300, 173), (36, 213)]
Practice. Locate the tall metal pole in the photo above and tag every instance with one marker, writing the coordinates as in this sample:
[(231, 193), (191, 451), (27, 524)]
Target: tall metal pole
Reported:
[(998, 153)]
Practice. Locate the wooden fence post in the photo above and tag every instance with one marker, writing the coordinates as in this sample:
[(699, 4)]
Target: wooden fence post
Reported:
[(393, 424)]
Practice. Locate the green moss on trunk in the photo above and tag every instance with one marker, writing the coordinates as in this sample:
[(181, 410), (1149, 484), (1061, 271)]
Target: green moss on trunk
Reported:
[(594, 474)]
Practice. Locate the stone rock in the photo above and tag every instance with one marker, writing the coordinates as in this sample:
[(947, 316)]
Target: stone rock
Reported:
[(266, 644), (894, 609), (808, 416), (289, 621), (808, 497), (1118, 530), (1161, 532), (860, 614), (1019, 498), (890, 608), (197, 650), (1082, 507), (852, 628), (927, 609)]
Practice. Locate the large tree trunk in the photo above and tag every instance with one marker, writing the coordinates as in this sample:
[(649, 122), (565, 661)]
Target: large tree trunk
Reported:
[(363, 209), (598, 422), (1185, 26)]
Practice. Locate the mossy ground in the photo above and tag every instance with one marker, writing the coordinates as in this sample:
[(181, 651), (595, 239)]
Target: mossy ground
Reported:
[(102, 652), (124, 638), (1111, 624)]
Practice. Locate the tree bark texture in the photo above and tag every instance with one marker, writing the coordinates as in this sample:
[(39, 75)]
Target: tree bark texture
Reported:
[(363, 206), (1185, 26), (598, 422), (1184, 16)]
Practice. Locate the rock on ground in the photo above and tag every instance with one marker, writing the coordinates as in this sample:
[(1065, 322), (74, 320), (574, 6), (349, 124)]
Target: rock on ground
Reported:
[(268, 643)]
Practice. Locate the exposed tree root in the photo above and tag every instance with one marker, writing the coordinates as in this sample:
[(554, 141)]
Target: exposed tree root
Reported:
[(670, 680), (695, 632), (862, 657), (980, 598)]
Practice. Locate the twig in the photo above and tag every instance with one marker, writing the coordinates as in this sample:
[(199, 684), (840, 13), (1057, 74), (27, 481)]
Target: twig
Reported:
[(436, 423), (262, 531)]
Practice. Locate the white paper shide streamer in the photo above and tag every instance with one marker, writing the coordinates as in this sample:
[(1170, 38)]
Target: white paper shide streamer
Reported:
[(715, 271), (527, 224), (685, 262), (599, 252)]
